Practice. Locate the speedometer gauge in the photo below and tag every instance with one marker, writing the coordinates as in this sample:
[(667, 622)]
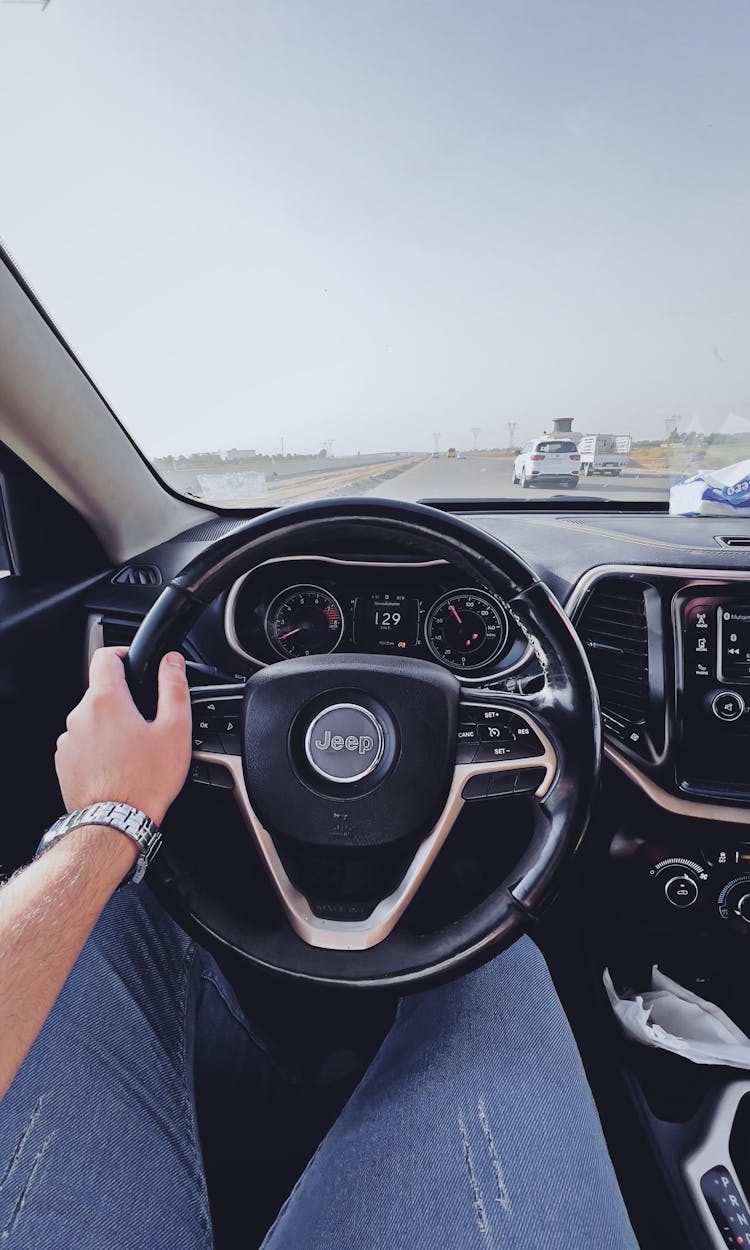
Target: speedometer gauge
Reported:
[(304, 620), (466, 629)]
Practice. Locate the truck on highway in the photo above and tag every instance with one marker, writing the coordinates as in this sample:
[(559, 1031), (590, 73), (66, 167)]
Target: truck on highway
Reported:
[(604, 453)]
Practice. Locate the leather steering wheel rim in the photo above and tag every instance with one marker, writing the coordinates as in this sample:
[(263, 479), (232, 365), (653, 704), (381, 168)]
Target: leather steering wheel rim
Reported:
[(564, 715)]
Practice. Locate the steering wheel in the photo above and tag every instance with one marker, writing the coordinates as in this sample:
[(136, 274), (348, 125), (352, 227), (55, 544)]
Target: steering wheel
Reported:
[(354, 768)]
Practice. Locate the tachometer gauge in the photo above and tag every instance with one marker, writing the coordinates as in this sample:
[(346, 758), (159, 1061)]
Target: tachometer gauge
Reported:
[(466, 629), (304, 620)]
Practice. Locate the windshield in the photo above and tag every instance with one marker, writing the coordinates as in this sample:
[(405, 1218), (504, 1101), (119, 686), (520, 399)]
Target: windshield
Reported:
[(323, 248)]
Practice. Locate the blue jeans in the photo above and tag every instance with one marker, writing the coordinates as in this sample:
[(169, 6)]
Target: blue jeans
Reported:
[(473, 1128)]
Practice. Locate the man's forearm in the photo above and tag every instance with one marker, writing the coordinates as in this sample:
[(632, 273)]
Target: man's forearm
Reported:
[(47, 912)]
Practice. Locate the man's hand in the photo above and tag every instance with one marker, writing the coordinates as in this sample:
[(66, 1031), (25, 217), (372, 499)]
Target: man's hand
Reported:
[(110, 753)]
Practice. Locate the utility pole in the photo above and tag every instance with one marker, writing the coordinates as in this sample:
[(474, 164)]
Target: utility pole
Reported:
[(511, 434), (282, 447), (436, 441), (475, 430)]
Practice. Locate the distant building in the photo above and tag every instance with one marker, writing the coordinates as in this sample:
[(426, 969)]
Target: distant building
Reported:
[(239, 453)]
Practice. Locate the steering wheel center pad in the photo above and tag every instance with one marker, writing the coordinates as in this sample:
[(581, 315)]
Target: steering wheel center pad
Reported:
[(415, 705)]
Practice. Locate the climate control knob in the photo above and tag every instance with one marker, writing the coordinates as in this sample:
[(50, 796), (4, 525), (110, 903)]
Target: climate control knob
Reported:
[(681, 891), (734, 904), (743, 907)]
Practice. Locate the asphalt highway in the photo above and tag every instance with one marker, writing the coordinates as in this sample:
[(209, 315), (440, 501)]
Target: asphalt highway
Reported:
[(488, 477)]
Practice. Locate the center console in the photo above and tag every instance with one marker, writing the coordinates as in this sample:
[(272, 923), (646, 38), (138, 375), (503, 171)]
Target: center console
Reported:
[(712, 705)]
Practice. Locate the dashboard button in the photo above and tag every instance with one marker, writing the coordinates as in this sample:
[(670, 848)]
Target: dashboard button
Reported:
[(727, 705), (681, 891)]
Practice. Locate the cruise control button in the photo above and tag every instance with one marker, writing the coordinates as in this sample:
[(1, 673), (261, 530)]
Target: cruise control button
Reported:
[(496, 751), (495, 733), (467, 732), (489, 715)]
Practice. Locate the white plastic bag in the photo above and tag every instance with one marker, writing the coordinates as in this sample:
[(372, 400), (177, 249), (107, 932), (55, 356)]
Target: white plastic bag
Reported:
[(713, 492), (670, 1017)]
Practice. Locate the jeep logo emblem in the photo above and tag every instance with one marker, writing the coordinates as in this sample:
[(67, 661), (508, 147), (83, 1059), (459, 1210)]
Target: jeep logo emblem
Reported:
[(344, 743), (334, 742)]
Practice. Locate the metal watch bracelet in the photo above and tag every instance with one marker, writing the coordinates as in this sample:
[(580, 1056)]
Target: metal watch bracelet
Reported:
[(120, 816)]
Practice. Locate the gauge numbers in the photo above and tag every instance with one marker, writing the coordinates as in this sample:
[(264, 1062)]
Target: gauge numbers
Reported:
[(466, 629), (304, 620)]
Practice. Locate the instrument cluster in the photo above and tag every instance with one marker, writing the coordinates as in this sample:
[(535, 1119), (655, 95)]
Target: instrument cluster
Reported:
[(314, 605)]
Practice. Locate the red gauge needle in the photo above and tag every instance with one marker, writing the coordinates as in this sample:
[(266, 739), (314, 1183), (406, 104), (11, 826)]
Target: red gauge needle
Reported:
[(455, 613), (289, 633)]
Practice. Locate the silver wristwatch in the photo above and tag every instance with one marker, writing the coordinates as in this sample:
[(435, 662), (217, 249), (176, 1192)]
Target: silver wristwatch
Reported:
[(122, 816)]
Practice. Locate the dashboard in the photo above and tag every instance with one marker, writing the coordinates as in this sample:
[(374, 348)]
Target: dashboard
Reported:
[(674, 692), (313, 605)]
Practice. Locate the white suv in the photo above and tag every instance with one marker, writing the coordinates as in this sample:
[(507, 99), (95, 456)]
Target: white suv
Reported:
[(547, 460)]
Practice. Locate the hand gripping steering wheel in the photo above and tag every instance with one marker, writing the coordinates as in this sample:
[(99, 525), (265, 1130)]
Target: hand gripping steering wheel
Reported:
[(350, 771)]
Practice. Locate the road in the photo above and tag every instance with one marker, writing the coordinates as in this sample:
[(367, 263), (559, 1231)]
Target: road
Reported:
[(489, 477)]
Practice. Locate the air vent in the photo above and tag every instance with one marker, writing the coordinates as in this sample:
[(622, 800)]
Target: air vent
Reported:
[(138, 575), (732, 540), (117, 633), (620, 616)]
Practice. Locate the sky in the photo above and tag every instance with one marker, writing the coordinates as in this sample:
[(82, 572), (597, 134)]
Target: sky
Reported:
[(366, 221)]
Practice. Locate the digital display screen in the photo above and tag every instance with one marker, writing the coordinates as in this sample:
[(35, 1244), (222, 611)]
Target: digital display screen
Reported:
[(734, 643), (386, 621)]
